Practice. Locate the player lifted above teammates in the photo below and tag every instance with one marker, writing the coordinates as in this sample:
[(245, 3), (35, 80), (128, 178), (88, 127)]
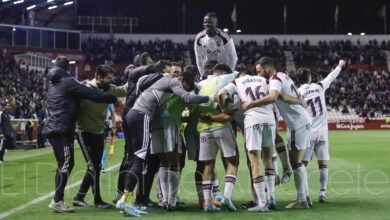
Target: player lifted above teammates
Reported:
[(298, 125), (314, 95), (214, 44)]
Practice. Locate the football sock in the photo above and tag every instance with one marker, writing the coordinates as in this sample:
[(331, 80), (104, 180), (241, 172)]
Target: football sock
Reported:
[(207, 186), (306, 181), (254, 194), (258, 184), (216, 190), (173, 178), (159, 190), (163, 175), (299, 179), (230, 180), (323, 177), (270, 182)]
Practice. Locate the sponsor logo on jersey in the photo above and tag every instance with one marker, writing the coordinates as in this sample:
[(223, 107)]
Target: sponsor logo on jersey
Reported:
[(203, 139), (215, 52)]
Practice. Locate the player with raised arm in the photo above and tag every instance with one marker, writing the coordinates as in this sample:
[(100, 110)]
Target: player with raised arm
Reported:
[(298, 124), (314, 95), (214, 44)]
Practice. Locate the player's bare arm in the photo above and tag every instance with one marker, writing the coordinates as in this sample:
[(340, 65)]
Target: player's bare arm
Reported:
[(221, 98)]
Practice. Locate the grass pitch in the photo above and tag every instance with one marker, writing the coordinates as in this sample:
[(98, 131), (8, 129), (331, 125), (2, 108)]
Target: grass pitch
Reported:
[(359, 184)]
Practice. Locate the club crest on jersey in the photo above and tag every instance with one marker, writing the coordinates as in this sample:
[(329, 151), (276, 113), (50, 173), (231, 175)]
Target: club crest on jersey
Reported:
[(218, 42), (308, 127), (203, 139), (256, 127)]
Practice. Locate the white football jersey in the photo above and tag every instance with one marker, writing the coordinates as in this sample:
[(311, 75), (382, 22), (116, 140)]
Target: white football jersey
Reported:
[(314, 95), (219, 48), (251, 88), (295, 116)]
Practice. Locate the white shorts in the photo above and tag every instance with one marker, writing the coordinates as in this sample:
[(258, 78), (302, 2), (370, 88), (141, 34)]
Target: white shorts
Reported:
[(320, 148), (166, 139), (299, 138), (211, 142), (259, 135)]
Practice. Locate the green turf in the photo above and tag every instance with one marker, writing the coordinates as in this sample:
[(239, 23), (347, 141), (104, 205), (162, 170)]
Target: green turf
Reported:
[(359, 184)]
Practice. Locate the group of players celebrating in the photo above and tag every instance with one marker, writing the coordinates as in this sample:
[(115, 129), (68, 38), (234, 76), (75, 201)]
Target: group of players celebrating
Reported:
[(211, 100)]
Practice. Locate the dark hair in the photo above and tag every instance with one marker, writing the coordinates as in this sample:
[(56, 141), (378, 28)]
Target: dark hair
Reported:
[(103, 71), (189, 78), (265, 61), (163, 63), (244, 71), (302, 75), (191, 69), (141, 59), (175, 64), (222, 68), (211, 15), (62, 62), (209, 65)]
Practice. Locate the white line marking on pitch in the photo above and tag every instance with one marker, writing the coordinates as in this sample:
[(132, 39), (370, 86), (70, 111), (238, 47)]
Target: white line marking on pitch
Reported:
[(44, 197)]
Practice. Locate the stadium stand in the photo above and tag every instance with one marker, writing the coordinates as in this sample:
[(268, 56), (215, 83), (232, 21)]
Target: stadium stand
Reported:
[(357, 95)]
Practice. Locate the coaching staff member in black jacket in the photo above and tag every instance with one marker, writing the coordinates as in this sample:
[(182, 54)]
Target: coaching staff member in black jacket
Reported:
[(63, 100)]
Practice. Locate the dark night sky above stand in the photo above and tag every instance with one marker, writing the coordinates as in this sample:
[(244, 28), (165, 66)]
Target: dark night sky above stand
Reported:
[(254, 17)]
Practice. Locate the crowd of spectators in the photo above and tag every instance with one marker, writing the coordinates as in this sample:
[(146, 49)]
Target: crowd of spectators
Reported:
[(98, 51), (24, 89), (328, 53), (368, 93)]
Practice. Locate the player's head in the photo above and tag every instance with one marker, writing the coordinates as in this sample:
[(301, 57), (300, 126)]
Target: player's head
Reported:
[(265, 67), (210, 22), (104, 76), (193, 70), (244, 72), (62, 62), (187, 80), (221, 69), (208, 67), (176, 69), (143, 59), (165, 65), (303, 76)]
